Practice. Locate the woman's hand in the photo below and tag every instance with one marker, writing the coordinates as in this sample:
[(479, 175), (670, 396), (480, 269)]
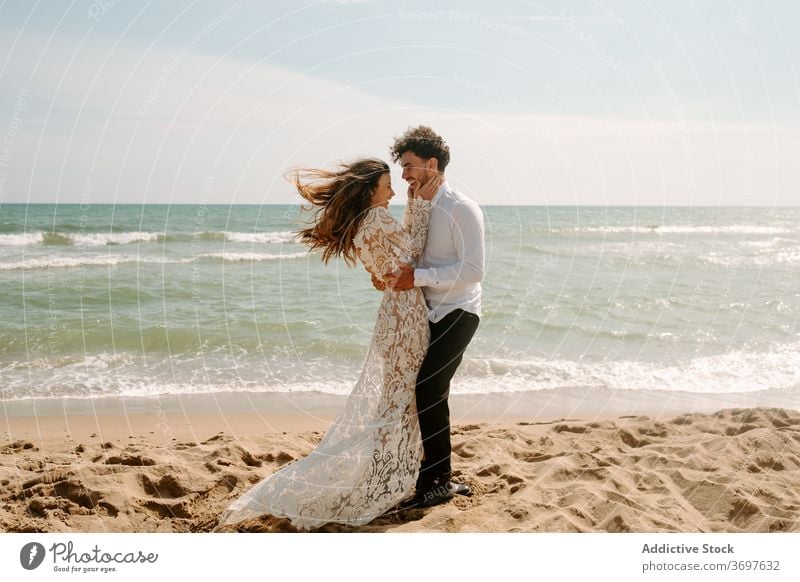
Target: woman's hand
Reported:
[(428, 190), (402, 278), (377, 283)]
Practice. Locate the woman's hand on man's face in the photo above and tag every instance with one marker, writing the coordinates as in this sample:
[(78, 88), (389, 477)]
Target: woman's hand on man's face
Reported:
[(428, 190)]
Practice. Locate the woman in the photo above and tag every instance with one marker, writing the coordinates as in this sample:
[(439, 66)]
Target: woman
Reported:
[(369, 459)]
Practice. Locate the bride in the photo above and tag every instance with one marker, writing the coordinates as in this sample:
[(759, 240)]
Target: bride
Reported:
[(369, 459)]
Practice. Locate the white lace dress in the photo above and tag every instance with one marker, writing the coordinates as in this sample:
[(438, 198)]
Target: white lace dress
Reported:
[(368, 460)]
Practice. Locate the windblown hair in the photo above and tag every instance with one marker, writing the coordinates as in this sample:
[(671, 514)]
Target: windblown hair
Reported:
[(341, 198), (425, 143)]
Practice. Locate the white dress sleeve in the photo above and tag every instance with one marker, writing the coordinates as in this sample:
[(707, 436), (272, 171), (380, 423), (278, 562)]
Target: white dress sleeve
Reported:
[(382, 243)]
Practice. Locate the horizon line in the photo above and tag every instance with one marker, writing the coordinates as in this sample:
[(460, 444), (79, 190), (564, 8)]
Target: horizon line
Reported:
[(402, 205)]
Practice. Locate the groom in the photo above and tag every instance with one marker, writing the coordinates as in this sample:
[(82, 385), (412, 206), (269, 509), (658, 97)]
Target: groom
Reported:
[(449, 273)]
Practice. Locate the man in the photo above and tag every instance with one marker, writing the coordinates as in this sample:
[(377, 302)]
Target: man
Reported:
[(449, 272)]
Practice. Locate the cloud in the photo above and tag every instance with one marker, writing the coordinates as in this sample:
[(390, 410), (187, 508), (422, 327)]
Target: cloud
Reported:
[(137, 124), (166, 120)]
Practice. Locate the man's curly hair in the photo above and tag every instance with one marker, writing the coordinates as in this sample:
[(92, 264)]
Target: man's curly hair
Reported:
[(423, 142)]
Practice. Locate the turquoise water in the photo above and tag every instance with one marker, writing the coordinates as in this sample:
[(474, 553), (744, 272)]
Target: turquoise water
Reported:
[(145, 300)]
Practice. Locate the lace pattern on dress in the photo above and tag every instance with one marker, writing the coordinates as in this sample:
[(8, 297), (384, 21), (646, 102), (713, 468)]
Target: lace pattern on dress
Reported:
[(368, 460)]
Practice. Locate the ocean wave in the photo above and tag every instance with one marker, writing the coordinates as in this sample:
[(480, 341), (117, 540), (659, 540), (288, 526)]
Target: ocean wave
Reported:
[(732, 372), (735, 372), (106, 260), (261, 237), (788, 257), (117, 238), (273, 237), (238, 257), (94, 239), (21, 239), (683, 229), (139, 389), (77, 239), (89, 382), (775, 251), (68, 262)]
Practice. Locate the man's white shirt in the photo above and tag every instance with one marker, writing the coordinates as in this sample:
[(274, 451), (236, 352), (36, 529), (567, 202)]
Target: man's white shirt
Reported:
[(452, 265)]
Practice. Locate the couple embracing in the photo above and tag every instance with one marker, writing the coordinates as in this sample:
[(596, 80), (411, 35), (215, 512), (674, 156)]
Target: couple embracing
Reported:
[(389, 448)]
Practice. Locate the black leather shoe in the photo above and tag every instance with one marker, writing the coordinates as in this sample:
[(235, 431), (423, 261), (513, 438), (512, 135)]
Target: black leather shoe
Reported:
[(434, 495), (461, 488), (441, 493), (410, 503)]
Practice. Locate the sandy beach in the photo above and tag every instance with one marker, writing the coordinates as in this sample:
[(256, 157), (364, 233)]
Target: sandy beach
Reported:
[(173, 465)]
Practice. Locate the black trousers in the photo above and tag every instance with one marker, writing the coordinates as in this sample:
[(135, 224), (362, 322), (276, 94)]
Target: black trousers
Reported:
[(449, 338)]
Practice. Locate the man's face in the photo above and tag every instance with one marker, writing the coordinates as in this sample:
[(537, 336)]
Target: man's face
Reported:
[(416, 170)]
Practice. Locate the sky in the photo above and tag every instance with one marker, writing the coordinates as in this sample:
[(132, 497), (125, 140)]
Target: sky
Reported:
[(547, 103)]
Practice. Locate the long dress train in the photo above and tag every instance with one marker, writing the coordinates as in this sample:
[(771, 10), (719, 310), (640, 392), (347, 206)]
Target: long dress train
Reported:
[(368, 461)]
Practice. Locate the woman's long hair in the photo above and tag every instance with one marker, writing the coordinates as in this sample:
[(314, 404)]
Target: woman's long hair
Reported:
[(341, 198)]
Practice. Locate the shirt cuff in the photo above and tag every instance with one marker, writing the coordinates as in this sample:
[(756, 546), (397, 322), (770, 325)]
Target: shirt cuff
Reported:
[(420, 277)]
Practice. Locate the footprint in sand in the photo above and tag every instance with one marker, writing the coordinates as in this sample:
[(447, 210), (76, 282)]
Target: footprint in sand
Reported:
[(18, 446), (166, 487), (130, 460)]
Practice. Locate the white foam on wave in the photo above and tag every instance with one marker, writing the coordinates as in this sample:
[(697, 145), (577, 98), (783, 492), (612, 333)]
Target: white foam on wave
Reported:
[(112, 238), (21, 239), (94, 239), (237, 257), (260, 237), (733, 372), (88, 381), (80, 239), (73, 362), (688, 229), (736, 372), (66, 262), (635, 249), (775, 251), (788, 257)]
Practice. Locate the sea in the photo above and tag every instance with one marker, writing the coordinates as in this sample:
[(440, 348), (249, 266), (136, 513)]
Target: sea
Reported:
[(114, 300)]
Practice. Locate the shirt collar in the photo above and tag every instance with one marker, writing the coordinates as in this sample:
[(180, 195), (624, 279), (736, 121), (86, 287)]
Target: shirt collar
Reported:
[(442, 189)]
